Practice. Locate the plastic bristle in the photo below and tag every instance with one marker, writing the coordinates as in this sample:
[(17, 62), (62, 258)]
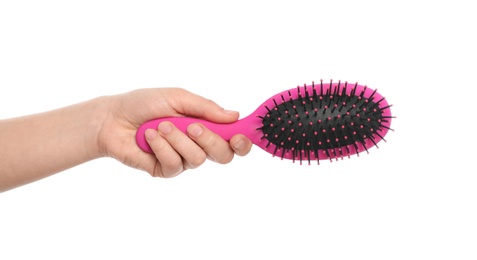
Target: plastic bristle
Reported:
[(325, 121)]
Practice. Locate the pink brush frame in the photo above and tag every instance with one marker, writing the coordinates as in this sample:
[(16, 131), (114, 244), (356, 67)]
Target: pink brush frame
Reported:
[(248, 125)]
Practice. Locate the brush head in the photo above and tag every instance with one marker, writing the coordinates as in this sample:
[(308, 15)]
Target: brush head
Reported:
[(324, 121)]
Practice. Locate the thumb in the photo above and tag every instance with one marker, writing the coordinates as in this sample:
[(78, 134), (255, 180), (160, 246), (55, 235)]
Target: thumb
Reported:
[(197, 106)]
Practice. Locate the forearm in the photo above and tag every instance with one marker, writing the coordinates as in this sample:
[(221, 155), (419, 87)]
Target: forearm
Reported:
[(37, 146)]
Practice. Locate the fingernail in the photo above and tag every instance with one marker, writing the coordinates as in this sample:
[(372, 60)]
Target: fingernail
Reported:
[(165, 128), (239, 144), (150, 134), (230, 112), (195, 130)]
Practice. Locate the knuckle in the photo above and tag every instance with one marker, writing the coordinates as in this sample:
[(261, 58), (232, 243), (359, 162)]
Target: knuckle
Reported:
[(210, 102), (210, 141), (197, 160), (172, 168), (178, 90), (226, 158), (159, 146)]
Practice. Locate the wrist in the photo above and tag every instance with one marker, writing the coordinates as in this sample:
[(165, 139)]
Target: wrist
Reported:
[(99, 113)]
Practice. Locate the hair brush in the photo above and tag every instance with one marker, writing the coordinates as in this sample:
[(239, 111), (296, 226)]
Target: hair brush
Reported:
[(322, 121)]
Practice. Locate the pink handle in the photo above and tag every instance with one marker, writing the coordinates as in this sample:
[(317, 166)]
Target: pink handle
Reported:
[(226, 131)]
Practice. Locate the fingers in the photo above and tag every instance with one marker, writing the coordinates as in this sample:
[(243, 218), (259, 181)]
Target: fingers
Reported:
[(216, 148), (193, 156), (177, 151), (169, 161), (241, 144), (174, 151)]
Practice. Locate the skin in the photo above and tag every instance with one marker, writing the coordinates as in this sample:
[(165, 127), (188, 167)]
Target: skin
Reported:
[(39, 145)]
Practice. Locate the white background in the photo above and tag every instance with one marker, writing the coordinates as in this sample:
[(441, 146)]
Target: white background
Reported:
[(413, 198)]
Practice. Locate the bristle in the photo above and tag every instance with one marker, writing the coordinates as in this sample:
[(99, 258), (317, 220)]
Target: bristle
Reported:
[(321, 87), (276, 106), (330, 119), (372, 94), (315, 96)]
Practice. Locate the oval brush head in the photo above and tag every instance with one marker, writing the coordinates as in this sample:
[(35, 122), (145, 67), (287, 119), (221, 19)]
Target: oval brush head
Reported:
[(311, 122), (325, 121)]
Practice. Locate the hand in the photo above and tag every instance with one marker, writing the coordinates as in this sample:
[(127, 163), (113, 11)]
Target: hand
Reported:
[(174, 150), (59, 139)]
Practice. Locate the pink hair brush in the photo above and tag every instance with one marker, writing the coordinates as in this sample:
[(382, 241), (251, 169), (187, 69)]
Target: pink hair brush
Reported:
[(321, 121)]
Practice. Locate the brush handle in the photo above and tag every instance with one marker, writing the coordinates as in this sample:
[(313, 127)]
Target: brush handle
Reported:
[(226, 131)]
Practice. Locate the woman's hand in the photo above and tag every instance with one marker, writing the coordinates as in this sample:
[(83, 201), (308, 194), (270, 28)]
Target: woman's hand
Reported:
[(173, 150), (39, 145)]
